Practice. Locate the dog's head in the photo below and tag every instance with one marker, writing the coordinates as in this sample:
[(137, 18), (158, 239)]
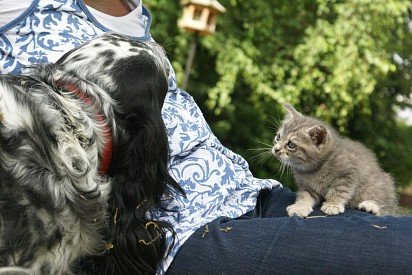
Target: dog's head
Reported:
[(124, 68), (128, 81)]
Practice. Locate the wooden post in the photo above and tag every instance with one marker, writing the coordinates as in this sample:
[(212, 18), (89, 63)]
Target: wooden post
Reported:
[(189, 61)]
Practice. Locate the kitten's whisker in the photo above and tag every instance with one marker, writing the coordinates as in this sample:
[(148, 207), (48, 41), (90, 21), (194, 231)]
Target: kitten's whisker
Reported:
[(165, 44), (260, 149), (261, 142), (278, 172), (273, 128), (261, 156), (286, 171), (265, 156), (275, 122), (283, 167), (277, 175), (290, 172), (263, 159), (281, 170)]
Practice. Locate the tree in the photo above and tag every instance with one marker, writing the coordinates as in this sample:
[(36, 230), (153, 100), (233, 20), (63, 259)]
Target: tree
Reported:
[(332, 59)]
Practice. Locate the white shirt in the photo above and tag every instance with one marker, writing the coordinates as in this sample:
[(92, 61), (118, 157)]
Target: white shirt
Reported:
[(130, 24)]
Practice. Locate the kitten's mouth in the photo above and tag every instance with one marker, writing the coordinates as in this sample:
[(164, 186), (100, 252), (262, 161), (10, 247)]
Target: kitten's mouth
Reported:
[(287, 161), (284, 159), (281, 156), (277, 153)]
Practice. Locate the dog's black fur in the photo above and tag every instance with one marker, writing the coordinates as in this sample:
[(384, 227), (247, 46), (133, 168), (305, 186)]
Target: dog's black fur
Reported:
[(55, 208)]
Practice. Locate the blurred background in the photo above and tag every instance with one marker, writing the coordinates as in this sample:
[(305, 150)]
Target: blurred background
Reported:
[(347, 62)]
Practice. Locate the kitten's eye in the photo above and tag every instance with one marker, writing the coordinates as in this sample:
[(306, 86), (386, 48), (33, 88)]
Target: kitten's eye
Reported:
[(277, 137), (291, 145)]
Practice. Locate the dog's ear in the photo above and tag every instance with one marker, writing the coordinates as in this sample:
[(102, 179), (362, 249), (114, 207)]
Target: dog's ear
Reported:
[(139, 166), (141, 87)]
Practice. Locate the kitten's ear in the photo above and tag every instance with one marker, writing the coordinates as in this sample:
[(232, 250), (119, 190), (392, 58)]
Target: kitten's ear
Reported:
[(318, 135), (292, 111)]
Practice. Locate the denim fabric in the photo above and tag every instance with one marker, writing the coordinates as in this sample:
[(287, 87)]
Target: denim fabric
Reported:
[(269, 242)]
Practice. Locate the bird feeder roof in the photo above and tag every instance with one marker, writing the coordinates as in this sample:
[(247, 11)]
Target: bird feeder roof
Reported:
[(206, 3)]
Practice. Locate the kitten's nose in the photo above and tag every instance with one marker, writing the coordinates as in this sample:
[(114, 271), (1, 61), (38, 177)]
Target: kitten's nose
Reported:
[(276, 150)]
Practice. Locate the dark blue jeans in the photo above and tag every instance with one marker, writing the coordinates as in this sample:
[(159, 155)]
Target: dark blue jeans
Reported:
[(269, 242)]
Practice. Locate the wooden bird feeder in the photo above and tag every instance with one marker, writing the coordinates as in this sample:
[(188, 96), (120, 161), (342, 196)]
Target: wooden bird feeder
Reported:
[(200, 16)]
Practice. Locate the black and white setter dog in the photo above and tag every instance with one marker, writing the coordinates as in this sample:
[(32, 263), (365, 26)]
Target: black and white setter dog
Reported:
[(83, 158)]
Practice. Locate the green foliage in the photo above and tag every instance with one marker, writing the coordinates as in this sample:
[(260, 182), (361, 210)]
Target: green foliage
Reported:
[(332, 59)]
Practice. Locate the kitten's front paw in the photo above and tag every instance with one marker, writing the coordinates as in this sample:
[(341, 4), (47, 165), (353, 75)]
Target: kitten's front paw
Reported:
[(332, 209), (369, 206), (299, 210)]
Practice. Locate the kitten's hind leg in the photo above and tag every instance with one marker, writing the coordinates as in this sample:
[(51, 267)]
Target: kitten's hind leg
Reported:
[(369, 206)]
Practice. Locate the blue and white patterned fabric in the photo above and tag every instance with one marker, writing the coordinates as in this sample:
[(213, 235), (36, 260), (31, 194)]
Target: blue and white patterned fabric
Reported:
[(48, 29), (216, 180)]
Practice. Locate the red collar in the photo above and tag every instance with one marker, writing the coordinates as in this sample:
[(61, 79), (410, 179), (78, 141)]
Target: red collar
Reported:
[(106, 154)]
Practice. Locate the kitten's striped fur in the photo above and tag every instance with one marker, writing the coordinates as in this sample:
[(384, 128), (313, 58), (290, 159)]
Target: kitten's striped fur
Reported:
[(331, 169)]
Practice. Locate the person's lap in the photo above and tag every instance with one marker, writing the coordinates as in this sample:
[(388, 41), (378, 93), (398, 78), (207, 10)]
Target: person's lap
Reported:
[(273, 203), (353, 242)]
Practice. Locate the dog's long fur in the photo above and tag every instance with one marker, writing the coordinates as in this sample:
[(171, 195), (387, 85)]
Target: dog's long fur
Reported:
[(55, 208)]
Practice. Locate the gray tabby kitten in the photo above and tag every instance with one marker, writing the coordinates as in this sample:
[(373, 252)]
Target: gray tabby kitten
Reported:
[(331, 169)]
